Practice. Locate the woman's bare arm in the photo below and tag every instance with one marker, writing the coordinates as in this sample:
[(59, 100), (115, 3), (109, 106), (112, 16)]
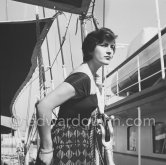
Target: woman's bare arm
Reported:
[(44, 111)]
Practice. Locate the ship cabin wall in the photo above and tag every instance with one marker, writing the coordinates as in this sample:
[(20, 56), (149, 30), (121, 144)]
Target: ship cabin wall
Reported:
[(123, 155)]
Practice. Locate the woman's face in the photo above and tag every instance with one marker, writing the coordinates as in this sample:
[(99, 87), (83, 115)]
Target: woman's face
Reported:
[(103, 53)]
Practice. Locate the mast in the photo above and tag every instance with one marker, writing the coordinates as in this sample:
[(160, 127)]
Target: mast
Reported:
[(6, 10), (103, 13), (49, 60), (103, 68), (61, 44), (40, 59), (82, 25)]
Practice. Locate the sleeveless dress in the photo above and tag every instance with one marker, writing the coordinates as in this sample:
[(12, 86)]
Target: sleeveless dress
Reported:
[(71, 134)]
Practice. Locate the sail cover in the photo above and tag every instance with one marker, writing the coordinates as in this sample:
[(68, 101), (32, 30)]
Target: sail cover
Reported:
[(18, 51), (71, 6)]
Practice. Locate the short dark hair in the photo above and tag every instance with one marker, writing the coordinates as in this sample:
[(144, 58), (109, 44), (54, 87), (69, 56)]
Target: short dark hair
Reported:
[(94, 38)]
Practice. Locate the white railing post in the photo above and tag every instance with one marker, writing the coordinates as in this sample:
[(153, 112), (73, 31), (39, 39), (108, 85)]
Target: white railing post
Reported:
[(139, 113), (160, 41), (139, 74), (139, 135), (117, 83)]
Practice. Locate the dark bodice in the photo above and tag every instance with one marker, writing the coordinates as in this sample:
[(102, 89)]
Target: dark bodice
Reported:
[(80, 107)]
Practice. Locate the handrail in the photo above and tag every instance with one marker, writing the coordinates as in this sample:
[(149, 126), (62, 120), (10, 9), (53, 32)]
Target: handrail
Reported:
[(134, 70), (135, 83)]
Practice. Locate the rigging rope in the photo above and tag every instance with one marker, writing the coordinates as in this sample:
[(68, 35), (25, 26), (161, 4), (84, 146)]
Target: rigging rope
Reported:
[(64, 38), (62, 56), (71, 54)]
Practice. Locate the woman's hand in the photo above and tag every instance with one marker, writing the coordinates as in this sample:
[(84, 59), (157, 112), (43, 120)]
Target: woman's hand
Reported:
[(45, 157), (109, 143)]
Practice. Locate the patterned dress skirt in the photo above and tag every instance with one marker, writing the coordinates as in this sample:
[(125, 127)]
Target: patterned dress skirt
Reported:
[(71, 145)]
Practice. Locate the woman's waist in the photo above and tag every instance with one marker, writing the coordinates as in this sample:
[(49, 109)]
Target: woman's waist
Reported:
[(73, 120)]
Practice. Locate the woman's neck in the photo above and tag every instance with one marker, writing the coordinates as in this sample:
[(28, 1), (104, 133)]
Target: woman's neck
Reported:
[(93, 67)]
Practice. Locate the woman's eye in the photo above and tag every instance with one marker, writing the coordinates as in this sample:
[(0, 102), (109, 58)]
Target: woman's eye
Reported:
[(108, 45), (104, 45), (112, 46)]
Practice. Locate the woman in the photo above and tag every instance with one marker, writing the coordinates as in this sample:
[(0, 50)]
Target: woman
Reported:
[(69, 140)]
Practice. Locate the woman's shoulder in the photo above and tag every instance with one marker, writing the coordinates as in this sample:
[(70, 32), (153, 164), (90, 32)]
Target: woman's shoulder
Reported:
[(83, 69), (79, 74)]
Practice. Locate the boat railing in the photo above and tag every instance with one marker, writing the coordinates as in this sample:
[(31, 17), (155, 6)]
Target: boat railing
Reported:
[(144, 68)]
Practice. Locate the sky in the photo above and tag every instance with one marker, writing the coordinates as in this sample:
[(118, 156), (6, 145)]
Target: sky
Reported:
[(128, 17), (125, 17)]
